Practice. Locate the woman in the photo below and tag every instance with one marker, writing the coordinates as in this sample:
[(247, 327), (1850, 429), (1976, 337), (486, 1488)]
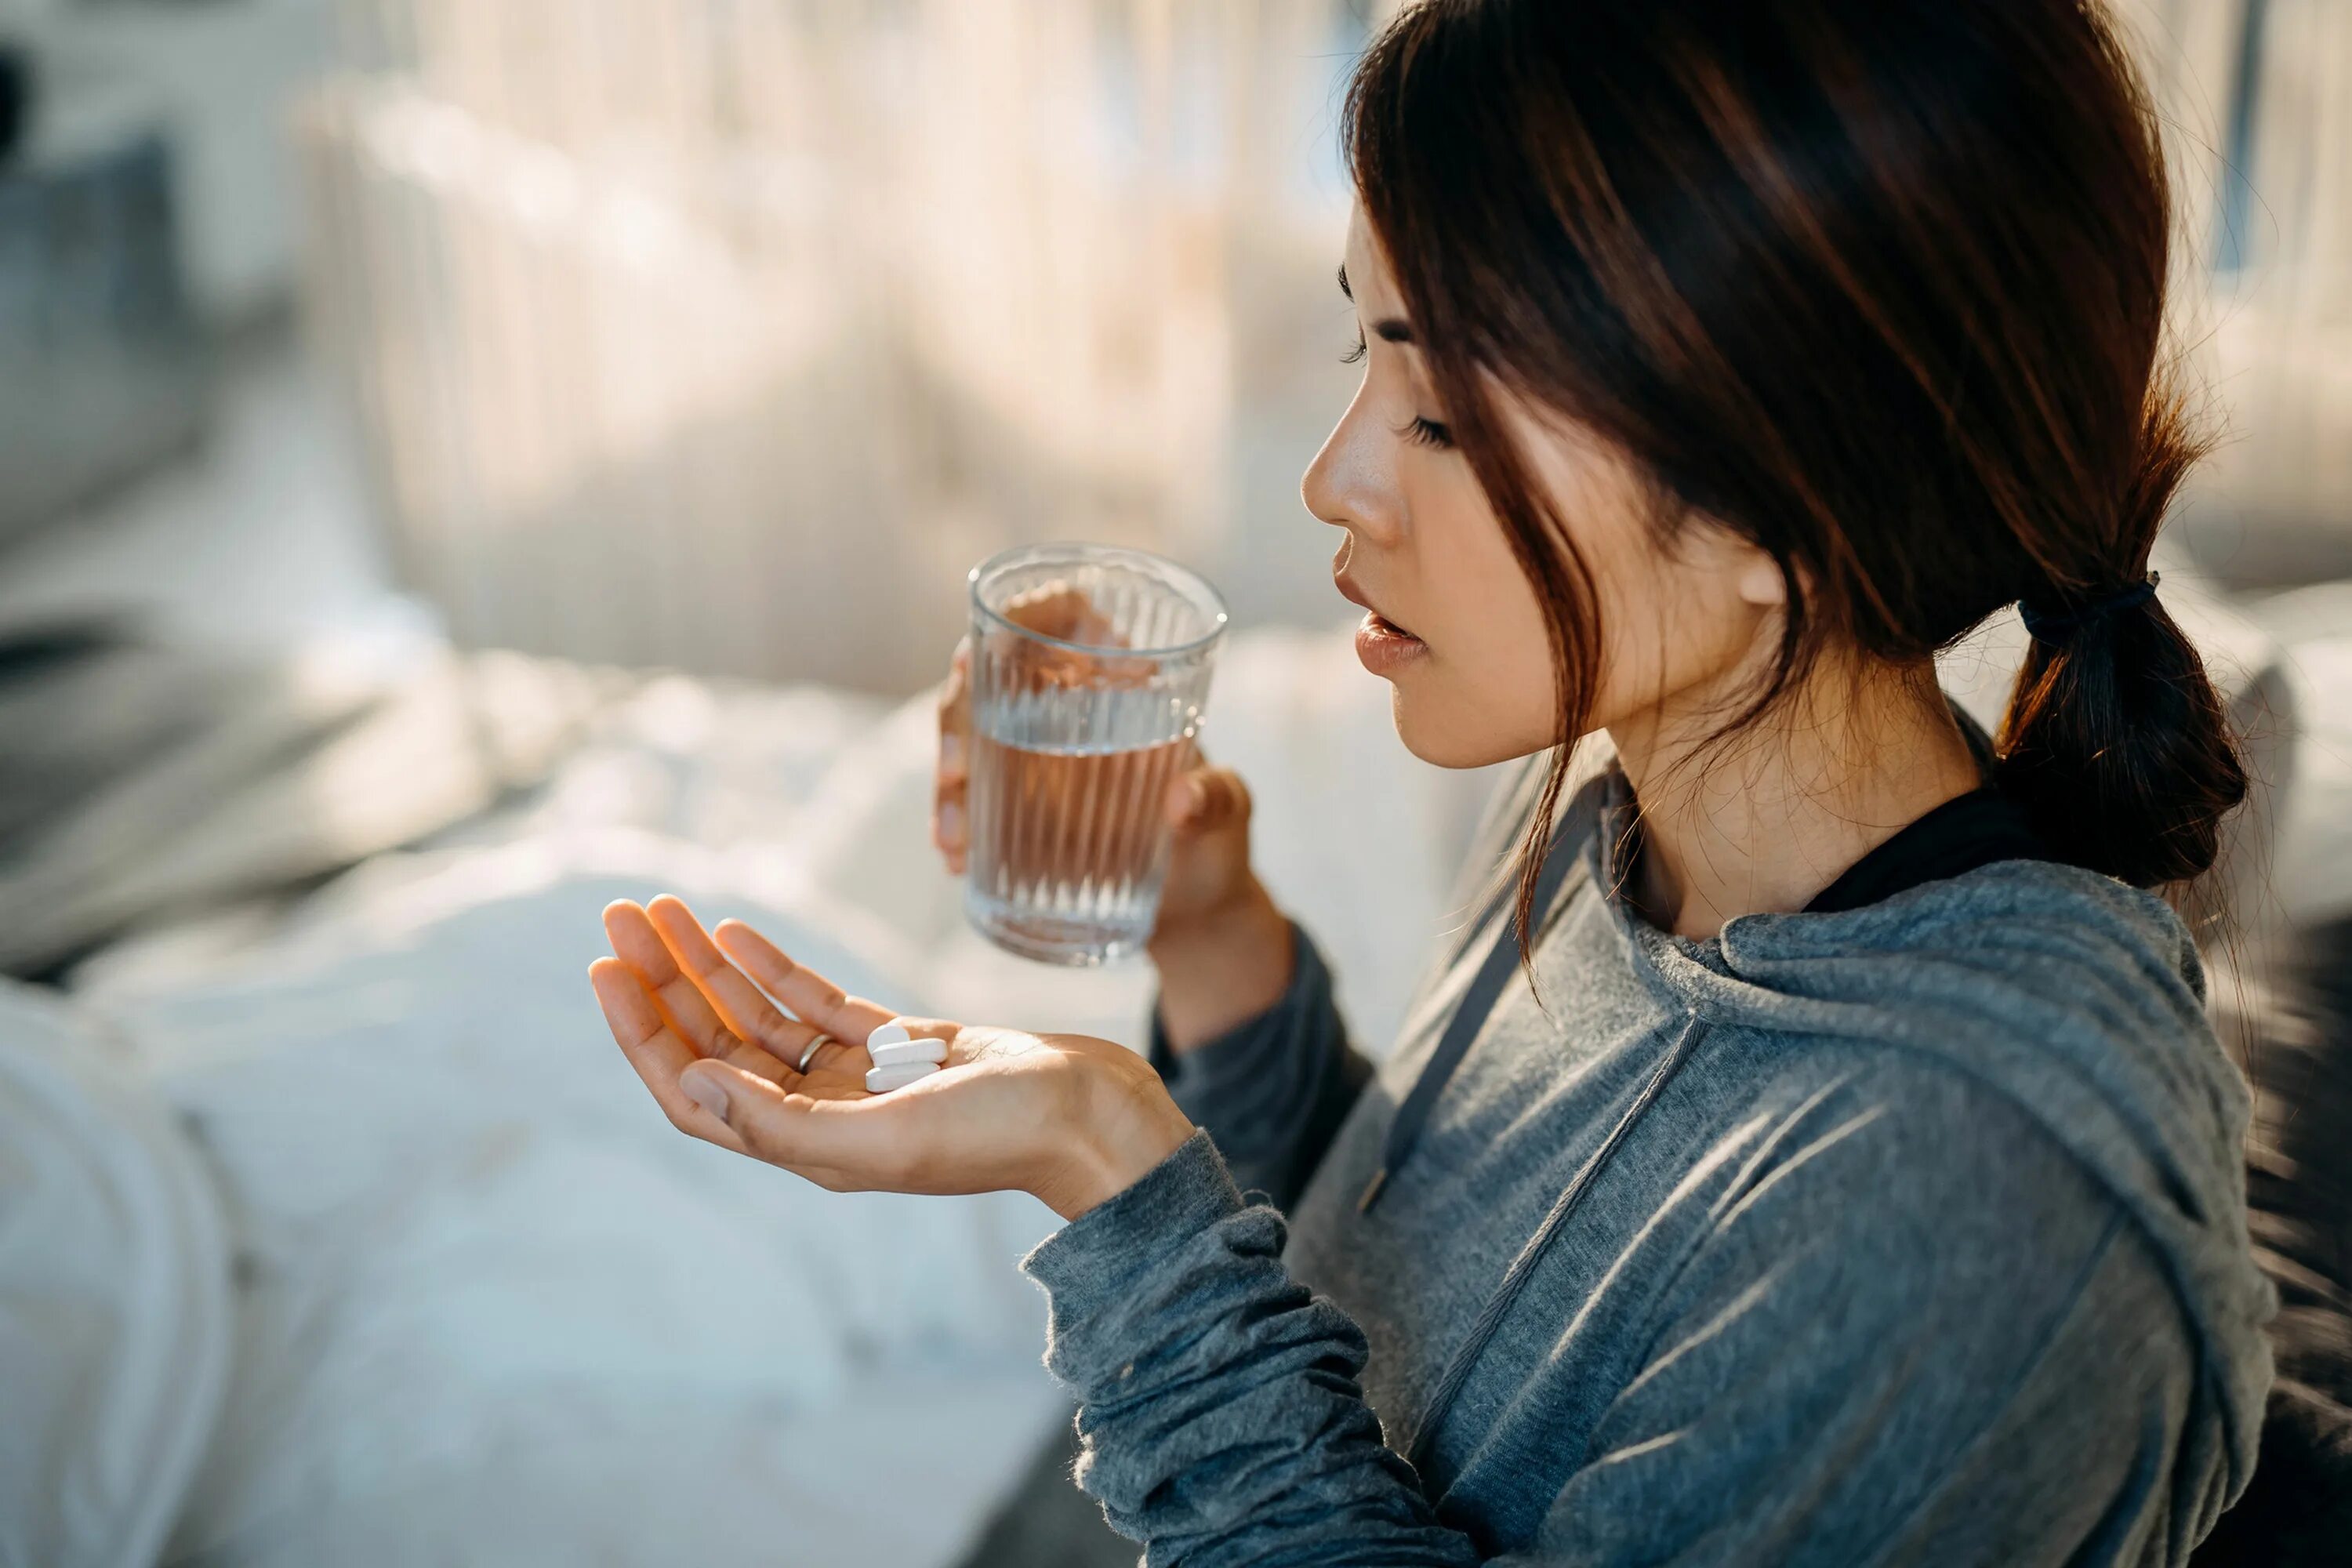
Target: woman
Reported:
[(1820, 1153)]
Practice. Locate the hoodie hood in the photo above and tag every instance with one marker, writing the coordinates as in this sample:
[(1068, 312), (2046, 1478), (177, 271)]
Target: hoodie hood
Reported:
[(2078, 998)]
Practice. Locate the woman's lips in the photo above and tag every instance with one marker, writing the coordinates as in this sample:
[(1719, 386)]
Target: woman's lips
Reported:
[(1380, 642), (1384, 647)]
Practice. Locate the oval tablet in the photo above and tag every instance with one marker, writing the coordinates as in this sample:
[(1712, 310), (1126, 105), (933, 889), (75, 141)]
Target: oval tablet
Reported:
[(890, 1053), (882, 1080), (890, 1034)]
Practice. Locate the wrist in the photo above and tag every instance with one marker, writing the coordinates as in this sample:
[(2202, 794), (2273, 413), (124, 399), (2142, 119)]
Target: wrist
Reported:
[(1222, 968), (1127, 1126)]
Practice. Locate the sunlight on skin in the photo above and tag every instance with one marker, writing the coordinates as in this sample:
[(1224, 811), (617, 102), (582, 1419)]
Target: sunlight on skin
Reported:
[(1425, 546), (699, 1018)]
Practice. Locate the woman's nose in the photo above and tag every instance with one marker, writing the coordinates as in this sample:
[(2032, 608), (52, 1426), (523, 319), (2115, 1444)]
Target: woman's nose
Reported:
[(1350, 484)]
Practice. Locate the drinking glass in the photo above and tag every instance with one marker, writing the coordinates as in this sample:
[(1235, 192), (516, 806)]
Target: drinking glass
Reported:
[(1090, 667)]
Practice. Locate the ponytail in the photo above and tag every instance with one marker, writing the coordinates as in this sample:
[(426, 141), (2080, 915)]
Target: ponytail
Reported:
[(2115, 742)]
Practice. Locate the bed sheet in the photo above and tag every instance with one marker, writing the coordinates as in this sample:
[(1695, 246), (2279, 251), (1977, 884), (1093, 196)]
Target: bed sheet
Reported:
[(491, 1309)]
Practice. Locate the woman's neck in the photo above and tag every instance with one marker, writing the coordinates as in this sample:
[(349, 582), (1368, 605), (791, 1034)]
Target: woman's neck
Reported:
[(1765, 820)]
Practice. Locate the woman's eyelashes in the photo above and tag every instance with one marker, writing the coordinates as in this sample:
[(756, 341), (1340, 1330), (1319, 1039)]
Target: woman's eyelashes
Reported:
[(1428, 432)]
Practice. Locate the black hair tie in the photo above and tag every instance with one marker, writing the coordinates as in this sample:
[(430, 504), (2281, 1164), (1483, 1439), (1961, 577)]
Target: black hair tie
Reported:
[(2054, 628)]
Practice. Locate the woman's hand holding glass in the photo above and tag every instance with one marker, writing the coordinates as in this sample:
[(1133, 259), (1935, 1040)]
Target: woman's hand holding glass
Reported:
[(1070, 1118), (1222, 946)]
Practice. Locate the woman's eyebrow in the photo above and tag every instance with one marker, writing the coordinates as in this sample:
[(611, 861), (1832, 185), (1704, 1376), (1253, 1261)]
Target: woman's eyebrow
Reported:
[(1393, 330)]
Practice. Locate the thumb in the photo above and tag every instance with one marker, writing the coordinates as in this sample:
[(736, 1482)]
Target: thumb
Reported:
[(1208, 800), (706, 1087), (748, 1107)]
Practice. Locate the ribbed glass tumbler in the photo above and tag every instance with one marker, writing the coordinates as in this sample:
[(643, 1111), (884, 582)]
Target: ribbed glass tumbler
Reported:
[(1090, 667)]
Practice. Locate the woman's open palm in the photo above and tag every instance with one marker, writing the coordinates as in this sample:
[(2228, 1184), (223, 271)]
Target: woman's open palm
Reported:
[(1066, 1117)]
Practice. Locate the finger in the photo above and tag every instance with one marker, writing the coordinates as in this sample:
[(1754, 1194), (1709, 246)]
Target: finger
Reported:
[(741, 1005), (768, 1043), (808, 993), (1208, 800), (950, 835), (1058, 610), (637, 943), (955, 713), (949, 832), (950, 786), (845, 1143), (654, 1050), (1064, 614)]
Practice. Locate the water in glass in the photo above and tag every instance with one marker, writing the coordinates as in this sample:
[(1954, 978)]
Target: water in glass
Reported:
[(1074, 740)]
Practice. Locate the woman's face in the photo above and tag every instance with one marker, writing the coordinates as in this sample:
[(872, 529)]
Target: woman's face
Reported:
[(1452, 622)]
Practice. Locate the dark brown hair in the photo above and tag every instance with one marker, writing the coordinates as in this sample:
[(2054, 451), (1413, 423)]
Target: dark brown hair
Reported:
[(1878, 284)]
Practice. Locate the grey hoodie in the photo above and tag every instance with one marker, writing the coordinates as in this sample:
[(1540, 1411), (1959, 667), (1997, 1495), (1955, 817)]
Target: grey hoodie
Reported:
[(1910, 1234)]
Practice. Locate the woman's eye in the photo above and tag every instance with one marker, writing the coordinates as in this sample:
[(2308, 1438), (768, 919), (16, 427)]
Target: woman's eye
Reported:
[(1354, 354), (1429, 433)]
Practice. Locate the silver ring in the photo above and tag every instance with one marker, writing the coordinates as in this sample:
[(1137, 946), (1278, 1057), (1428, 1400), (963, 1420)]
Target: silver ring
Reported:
[(809, 1055)]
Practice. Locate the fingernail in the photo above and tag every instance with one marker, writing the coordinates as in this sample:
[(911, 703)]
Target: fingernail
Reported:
[(951, 823), (951, 750), (705, 1092)]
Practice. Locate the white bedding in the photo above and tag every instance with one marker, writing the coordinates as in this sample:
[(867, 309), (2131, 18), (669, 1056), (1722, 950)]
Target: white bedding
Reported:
[(494, 1311)]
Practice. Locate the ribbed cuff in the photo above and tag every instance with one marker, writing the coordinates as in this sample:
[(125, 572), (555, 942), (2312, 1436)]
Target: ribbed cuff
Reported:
[(1243, 1061), (1100, 1257)]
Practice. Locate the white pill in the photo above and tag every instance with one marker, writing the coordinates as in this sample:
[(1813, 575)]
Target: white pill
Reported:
[(882, 1080), (890, 1034), (891, 1053)]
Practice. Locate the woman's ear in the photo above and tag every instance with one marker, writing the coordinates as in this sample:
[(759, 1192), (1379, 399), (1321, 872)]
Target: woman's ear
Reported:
[(1725, 558), (1760, 581)]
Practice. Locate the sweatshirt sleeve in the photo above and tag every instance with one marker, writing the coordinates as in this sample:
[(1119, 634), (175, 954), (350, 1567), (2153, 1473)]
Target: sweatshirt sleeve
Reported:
[(1219, 1417), (1902, 1338), (1272, 1091)]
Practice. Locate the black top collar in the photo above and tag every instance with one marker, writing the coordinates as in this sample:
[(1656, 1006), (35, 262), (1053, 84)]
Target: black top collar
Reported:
[(1964, 833)]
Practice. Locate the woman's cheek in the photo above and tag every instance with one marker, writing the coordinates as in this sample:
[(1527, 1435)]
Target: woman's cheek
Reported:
[(1485, 693), (1483, 696)]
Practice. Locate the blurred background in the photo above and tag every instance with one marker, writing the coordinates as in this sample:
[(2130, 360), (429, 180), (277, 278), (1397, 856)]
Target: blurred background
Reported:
[(464, 461)]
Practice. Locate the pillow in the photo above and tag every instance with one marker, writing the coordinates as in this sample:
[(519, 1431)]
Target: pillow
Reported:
[(114, 1300)]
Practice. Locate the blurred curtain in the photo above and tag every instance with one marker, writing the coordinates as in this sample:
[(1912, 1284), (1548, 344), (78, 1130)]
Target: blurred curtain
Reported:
[(2257, 99), (728, 333), (2283, 338)]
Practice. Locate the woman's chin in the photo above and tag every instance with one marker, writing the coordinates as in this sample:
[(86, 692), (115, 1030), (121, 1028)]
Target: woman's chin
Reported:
[(1448, 733)]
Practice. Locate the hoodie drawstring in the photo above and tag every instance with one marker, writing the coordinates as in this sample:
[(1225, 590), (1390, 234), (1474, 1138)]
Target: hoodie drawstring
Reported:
[(1470, 1014), (1523, 1267)]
